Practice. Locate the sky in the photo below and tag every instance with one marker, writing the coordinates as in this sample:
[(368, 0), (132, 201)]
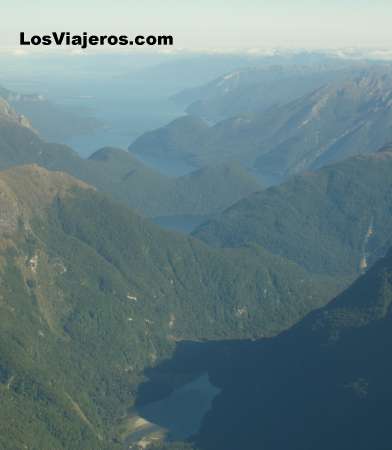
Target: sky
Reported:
[(210, 25)]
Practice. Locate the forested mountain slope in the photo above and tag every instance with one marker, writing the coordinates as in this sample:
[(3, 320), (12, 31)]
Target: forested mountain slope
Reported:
[(323, 384), (118, 173), (335, 220), (91, 295)]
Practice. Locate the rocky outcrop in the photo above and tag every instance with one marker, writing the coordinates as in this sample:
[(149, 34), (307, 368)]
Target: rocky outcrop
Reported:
[(7, 113)]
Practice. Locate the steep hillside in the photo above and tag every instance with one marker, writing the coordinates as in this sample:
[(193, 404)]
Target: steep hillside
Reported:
[(324, 384), (340, 120), (9, 116), (91, 295), (335, 220)]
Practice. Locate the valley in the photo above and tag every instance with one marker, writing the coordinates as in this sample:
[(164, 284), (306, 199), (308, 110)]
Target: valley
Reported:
[(223, 283)]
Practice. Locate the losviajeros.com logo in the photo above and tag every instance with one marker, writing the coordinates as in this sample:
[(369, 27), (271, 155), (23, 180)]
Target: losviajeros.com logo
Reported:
[(85, 39)]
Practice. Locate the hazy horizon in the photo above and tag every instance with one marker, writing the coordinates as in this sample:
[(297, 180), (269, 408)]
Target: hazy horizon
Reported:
[(232, 25)]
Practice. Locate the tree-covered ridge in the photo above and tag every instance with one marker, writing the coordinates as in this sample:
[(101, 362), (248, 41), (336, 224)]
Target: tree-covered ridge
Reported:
[(91, 295), (205, 191), (336, 220), (119, 174)]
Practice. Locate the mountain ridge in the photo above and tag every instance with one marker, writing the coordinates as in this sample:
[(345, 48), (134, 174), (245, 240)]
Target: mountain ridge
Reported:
[(339, 208), (128, 180), (92, 295), (340, 119)]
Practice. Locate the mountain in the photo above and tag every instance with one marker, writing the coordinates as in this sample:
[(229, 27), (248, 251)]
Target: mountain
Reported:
[(337, 121), (256, 89), (186, 70), (91, 294), (206, 191), (323, 384), (52, 121), (8, 115), (118, 173), (341, 119), (335, 220), (180, 140)]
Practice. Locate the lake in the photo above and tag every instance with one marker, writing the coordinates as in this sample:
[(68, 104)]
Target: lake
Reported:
[(175, 417)]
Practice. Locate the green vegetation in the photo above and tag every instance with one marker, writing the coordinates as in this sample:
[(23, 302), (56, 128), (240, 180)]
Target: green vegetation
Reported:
[(329, 372), (119, 174), (96, 302), (329, 221), (205, 191), (91, 295)]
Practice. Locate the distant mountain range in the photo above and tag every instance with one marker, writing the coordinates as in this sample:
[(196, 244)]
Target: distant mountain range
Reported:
[(341, 119), (186, 70), (255, 89)]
